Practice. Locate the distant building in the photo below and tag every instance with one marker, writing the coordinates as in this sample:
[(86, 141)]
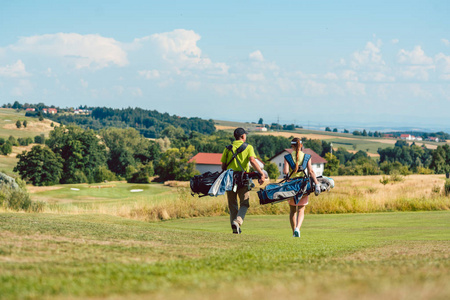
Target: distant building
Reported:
[(433, 139), (30, 109), (49, 111), (205, 162), (261, 129), (82, 111), (317, 162), (406, 137)]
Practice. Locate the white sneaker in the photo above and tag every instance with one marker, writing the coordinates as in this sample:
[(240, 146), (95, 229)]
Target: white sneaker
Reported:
[(236, 228), (296, 232)]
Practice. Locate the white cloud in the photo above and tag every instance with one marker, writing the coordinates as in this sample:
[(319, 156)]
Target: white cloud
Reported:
[(394, 41), (418, 91), (179, 49), (15, 70), (446, 42), (256, 77), (443, 66), (415, 57), (256, 56), (330, 76), (370, 57), (356, 88), (314, 88), (376, 76), (149, 74), (82, 51), (416, 72), (349, 75), (285, 84)]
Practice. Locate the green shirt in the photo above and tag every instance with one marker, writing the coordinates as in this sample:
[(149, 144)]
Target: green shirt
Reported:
[(301, 158), (243, 157)]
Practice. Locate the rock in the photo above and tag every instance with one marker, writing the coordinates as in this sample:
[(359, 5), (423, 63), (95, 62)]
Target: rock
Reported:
[(8, 181)]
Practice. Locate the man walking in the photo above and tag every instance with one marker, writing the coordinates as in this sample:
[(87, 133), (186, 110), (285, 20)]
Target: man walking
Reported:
[(237, 212)]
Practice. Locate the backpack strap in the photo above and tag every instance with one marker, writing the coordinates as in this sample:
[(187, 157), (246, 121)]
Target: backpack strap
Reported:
[(302, 167), (238, 150)]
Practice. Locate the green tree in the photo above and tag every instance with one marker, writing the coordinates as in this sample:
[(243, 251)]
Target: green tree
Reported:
[(81, 151), (272, 170), (328, 129), (25, 123), (335, 130), (6, 148), (260, 121), (173, 164), (332, 165), (40, 166), (128, 147), (39, 139), (18, 124)]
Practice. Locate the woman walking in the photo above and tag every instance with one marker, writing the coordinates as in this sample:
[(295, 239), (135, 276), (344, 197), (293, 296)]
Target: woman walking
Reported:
[(297, 211)]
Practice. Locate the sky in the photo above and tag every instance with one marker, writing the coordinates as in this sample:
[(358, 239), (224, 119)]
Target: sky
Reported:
[(312, 63)]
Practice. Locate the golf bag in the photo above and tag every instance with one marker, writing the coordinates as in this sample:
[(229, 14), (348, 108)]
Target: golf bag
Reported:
[(277, 192), (201, 184), (295, 188)]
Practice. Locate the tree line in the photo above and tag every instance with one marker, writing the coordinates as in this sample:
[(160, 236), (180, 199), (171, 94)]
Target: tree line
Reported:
[(150, 123)]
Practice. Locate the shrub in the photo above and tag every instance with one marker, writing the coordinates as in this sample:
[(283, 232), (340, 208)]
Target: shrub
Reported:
[(18, 199), (447, 187), (78, 177), (436, 189), (425, 171), (142, 174), (102, 173), (384, 180), (396, 176)]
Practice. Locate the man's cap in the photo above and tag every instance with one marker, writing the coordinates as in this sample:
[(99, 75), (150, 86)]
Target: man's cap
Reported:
[(239, 132)]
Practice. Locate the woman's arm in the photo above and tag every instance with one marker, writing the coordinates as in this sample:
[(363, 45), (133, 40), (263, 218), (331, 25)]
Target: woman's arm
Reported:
[(286, 167), (311, 172)]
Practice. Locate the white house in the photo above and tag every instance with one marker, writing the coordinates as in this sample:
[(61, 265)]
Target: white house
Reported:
[(318, 163), (211, 162)]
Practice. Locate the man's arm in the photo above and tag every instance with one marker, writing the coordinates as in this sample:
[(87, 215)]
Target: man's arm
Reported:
[(255, 165)]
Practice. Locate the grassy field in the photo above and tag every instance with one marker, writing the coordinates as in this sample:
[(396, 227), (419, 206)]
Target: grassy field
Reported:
[(346, 140), (348, 256), (362, 194), (8, 119)]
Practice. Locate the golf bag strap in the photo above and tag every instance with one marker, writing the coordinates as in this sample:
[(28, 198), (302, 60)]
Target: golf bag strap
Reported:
[(238, 150), (301, 167)]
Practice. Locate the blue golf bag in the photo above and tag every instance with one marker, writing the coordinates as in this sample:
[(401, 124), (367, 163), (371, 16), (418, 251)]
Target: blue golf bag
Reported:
[(277, 192)]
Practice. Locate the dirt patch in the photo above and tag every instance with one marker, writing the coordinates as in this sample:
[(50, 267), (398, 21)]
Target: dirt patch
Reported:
[(174, 183), (36, 189), (41, 127), (222, 127)]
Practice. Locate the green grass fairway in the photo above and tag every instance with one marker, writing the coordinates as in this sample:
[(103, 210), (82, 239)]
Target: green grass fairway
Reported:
[(347, 256)]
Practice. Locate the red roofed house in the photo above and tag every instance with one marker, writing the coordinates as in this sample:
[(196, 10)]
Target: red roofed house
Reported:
[(318, 162), (30, 109), (211, 162), (406, 137)]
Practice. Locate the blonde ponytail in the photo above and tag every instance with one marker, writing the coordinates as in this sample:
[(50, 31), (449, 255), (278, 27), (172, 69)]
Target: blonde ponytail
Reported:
[(298, 145)]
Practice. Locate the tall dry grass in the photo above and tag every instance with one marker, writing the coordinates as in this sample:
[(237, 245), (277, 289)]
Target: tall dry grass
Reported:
[(352, 194)]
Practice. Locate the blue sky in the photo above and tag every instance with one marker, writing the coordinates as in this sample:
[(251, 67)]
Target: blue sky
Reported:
[(333, 63)]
